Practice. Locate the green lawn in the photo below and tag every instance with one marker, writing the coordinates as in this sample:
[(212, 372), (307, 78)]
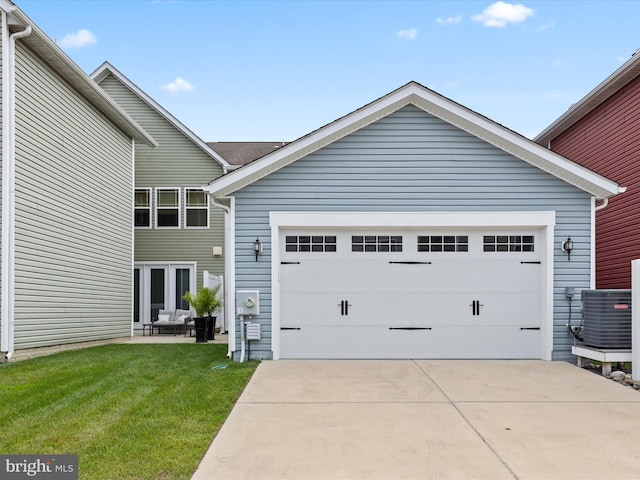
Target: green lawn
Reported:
[(129, 411)]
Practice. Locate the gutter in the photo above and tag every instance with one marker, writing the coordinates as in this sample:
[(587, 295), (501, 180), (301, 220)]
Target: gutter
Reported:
[(7, 312), (229, 269)]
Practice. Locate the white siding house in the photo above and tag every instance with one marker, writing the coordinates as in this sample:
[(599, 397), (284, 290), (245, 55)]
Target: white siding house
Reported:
[(67, 186), (410, 228)]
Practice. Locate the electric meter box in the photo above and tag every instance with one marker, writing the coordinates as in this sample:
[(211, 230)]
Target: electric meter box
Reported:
[(248, 302)]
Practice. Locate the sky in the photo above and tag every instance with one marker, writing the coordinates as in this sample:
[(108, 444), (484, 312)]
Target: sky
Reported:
[(277, 70)]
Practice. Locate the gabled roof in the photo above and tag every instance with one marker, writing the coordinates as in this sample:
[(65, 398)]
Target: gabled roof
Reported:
[(107, 69), (441, 107), (39, 42), (241, 153), (609, 87)]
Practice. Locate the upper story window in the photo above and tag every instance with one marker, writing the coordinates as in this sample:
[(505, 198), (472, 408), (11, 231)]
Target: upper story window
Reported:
[(142, 210), (196, 208), (167, 207)]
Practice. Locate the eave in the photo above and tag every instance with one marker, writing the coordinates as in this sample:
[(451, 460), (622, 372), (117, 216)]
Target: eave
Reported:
[(605, 90), (436, 105)]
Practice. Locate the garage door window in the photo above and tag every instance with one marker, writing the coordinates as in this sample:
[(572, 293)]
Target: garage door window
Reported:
[(508, 243), (310, 243), (376, 243), (443, 243)]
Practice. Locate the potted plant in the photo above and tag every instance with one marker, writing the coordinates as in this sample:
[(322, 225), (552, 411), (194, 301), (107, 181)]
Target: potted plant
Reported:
[(204, 303)]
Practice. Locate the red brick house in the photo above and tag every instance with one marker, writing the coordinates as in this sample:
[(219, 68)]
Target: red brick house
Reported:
[(602, 132)]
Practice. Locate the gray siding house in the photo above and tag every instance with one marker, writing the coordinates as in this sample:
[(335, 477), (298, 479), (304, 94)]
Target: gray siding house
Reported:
[(67, 182), (410, 228), (179, 233)]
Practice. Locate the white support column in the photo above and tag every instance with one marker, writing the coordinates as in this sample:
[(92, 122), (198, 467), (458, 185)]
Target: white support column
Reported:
[(635, 319)]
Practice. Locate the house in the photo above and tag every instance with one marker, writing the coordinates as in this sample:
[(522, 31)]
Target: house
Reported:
[(412, 227), (179, 233), (67, 180), (602, 133)]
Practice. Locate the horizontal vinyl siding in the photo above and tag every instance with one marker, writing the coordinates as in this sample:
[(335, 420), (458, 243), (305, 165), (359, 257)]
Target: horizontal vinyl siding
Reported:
[(176, 162), (608, 142), (73, 215), (1, 139), (411, 161)]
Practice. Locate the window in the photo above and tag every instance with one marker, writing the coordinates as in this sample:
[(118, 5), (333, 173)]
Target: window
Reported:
[(310, 243), (142, 210), (508, 243), (376, 243), (196, 208), (167, 207), (443, 243)]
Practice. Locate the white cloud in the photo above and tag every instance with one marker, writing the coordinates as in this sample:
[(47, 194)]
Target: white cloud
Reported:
[(407, 35), (79, 39), (449, 20), (179, 85), (500, 14)]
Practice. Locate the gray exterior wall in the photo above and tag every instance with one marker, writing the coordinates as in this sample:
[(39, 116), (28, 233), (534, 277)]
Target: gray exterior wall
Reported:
[(74, 183), (1, 120), (176, 162), (412, 161)]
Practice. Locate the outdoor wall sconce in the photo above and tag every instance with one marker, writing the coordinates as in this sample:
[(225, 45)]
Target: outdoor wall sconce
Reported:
[(257, 248), (567, 246)]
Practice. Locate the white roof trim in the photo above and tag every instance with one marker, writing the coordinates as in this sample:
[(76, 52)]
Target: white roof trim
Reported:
[(107, 69), (610, 86), (61, 63), (434, 104)]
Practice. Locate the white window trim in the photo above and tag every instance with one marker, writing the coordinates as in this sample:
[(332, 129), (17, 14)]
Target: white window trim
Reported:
[(169, 286), (186, 207), (179, 207), (150, 193)]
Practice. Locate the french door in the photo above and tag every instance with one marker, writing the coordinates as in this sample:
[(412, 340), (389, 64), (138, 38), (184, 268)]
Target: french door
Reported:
[(160, 286)]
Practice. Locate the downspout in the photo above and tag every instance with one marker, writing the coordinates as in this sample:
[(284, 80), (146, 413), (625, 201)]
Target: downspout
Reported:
[(229, 268), (8, 185), (605, 202)]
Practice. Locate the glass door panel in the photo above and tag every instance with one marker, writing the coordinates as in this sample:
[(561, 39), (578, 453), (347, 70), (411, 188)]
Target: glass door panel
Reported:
[(157, 290), (183, 276), (136, 296)]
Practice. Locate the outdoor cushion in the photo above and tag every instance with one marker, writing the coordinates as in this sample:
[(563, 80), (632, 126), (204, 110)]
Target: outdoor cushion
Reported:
[(164, 318)]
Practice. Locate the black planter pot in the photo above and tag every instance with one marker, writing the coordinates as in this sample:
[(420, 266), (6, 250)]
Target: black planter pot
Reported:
[(211, 328), (200, 324)]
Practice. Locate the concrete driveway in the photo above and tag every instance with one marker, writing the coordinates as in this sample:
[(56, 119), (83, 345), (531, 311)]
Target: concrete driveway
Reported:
[(428, 419)]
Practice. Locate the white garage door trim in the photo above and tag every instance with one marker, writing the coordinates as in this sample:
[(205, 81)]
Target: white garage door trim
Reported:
[(538, 219)]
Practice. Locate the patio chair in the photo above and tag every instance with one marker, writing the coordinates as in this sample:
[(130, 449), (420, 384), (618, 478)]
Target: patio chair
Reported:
[(171, 319)]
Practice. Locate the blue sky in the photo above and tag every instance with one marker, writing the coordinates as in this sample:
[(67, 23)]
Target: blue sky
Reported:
[(276, 70)]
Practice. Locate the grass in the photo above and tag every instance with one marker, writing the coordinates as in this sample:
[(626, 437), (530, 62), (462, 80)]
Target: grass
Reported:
[(128, 411)]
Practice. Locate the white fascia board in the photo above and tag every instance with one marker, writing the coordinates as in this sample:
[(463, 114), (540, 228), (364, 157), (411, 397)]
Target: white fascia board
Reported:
[(411, 219), (72, 73), (309, 143), (434, 104), (601, 93), (519, 146), (107, 69)]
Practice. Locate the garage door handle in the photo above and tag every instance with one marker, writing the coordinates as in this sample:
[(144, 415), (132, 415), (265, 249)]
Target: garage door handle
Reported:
[(529, 328), (344, 307), (475, 307)]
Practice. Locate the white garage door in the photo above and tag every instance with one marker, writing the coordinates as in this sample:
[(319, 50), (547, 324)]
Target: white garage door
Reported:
[(410, 293)]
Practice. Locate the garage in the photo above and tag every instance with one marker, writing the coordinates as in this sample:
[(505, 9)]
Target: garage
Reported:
[(411, 293), (410, 228)]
